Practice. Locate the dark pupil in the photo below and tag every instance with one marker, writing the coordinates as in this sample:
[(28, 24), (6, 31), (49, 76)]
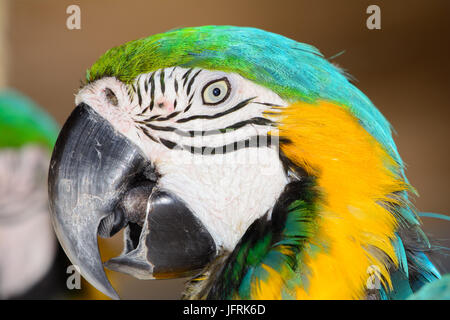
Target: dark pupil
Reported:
[(216, 92)]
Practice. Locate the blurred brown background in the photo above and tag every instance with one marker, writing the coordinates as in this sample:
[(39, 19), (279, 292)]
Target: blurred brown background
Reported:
[(404, 68)]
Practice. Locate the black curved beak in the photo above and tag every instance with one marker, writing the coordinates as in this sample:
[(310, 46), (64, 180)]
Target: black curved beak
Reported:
[(100, 182)]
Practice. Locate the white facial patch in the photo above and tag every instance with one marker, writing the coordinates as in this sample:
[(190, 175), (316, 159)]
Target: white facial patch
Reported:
[(207, 135)]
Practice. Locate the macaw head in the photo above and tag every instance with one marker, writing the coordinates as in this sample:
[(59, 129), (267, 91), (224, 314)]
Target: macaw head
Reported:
[(188, 138)]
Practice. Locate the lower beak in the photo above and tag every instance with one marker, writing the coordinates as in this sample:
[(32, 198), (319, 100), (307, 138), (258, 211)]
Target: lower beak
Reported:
[(91, 167)]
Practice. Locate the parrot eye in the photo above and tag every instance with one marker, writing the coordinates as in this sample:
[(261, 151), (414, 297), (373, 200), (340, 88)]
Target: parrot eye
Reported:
[(216, 91)]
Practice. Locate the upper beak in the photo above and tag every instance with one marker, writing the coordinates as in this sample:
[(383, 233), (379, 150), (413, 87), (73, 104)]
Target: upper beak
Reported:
[(91, 166), (100, 182)]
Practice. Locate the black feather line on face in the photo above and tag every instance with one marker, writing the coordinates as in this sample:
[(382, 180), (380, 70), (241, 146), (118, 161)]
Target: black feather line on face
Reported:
[(192, 96), (171, 73), (162, 82), (152, 91), (143, 112), (268, 104), (186, 75), (251, 142), (146, 121), (191, 82), (139, 95), (170, 116), (187, 108), (130, 93), (240, 105), (196, 133), (169, 144), (148, 134), (176, 86)]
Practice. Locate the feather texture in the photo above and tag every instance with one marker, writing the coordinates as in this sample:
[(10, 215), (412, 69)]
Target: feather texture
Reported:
[(361, 218)]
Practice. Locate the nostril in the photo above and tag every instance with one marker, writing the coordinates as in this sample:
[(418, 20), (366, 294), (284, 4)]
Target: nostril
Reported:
[(161, 105), (111, 97)]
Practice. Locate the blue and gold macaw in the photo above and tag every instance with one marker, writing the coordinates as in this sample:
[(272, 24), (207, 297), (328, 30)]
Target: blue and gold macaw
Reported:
[(242, 159)]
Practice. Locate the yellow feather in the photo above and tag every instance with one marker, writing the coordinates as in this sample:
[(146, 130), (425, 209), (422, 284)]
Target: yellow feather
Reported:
[(268, 290), (355, 175)]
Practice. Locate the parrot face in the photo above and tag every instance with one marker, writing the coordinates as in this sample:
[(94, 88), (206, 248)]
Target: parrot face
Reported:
[(182, 159), (241, 157)]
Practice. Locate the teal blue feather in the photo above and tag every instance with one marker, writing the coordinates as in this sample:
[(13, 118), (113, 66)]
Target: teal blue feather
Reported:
[(426, 271), (401, 255), (437, 290), (434, 215)]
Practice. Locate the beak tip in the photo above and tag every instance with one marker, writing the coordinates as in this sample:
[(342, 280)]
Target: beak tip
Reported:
[(106, 288), (113, 295)]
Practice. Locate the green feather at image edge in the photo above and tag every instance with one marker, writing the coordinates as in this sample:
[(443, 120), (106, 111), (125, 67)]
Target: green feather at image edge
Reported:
[(22, 122)]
